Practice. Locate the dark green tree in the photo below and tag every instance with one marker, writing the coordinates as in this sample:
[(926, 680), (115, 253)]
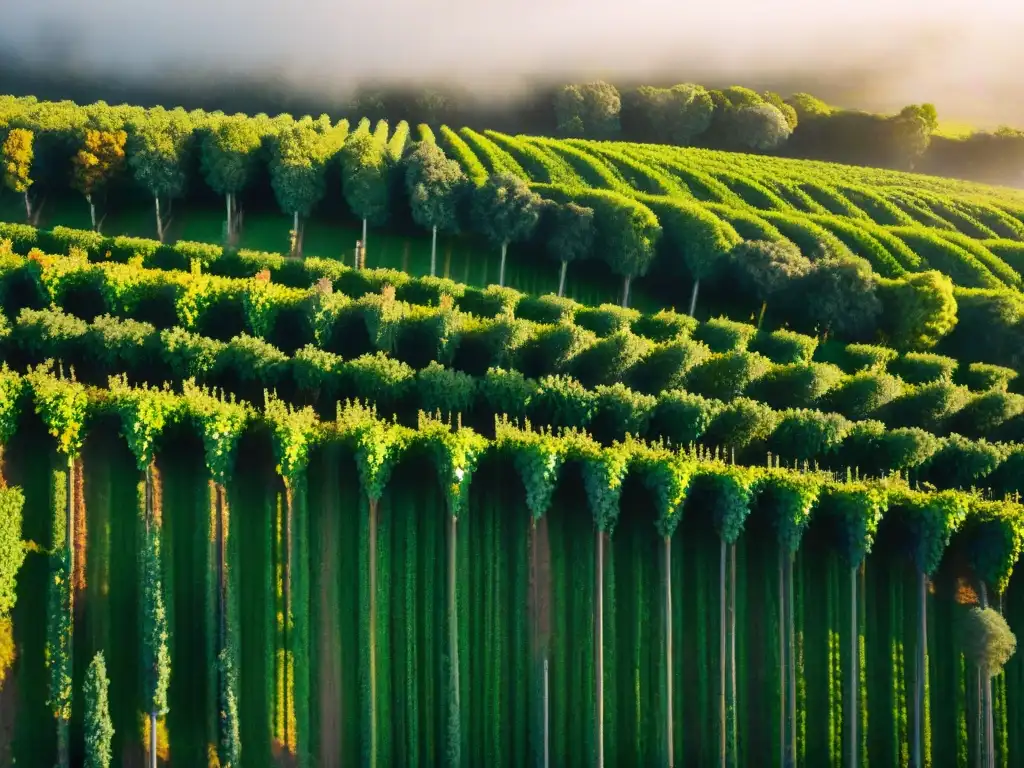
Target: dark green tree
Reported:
[(571, 236), (228, 157), (920, 310), (590, 110), (99, 729), (365, 170), (505, 211), (158, 146), (839, 297), (761, 127), (766, 269), (434, 184), (988, 645), (676, 115), (298, 159)]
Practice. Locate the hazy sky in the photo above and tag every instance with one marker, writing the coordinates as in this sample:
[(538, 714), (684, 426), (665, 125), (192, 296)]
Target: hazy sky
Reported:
[(966, 56)]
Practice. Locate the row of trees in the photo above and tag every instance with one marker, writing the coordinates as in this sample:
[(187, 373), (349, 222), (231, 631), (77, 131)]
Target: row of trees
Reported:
[(742, 119)]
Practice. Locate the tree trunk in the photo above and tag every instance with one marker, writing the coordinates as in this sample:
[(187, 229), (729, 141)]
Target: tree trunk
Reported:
[(722, 659), (599, 650), (372, 640), (501, 270), (159, 220), (625, 290), (979, 720), (433, 253), (454, 704), (782, 657), (760, 316), (791, 629), (28, 207), (854, 653), (547, 717), (561, 278), (693, 297), (92, 211), (986, 694), (922, 661), (669, 730), (364, 235), (64, 725), (63, 737), (733, 727), (152, 740), (227, 203)]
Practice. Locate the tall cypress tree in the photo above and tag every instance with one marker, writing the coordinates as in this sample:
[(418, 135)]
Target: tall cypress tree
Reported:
[(99, 730)]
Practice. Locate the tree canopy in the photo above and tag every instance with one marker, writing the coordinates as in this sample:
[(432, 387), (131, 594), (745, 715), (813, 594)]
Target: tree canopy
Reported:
[(228, 154), (298, 157), (365, 170), (434, 184), (100, 158), (505, 210), (590, 110), (157, 149), (571, 231)]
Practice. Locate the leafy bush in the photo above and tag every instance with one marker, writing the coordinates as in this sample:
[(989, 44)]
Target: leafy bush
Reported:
[(681, 418), (665, 325), (982, 376), (607, 360), (904, 448), (867, 357), (379, 379), (807, 435), (553, 348), (189, 253), (619, 411), (506, 392), (444, 390), (724, 335), (923, 368), (491, 301), (961, 463), (919, 309), (119, 344), (547, 309), (798, 385), (252, 360), (316, 370), (482, 344), (784, 346), (561, 401), (359, 282), (985, 413), (665, 367), (189, 355), (725, 377), (928, 406), (863, 394), (49, 333), (740, 424), (606, 319), (429, 290)]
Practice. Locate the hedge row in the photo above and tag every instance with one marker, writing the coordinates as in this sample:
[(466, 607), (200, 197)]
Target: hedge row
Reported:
[(247, 366), (685, 227)]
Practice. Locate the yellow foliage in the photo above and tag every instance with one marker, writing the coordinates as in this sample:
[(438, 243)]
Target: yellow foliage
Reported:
[(8, 651)]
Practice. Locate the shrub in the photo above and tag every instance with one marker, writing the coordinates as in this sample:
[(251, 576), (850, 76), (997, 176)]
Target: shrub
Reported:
[(927, 406), (379, 379), (798, 385), (547, 309), (606, 319), (724, 335), (506, 392), (607, 360), (23, 237), (252, 360), (316, 370), (726, 376), (188, 354), (429, 290), (862, 394), (740, 424), (804, 435), (561, 401), (189, 253), (123, 248), (619, 411), (665, 367), (119, 344), (920, 309), (681, 418), (444, 390), (905, 448), (838, 296), (48, 333), (553, 348), (1008, 478), (491, 301), (63, 239), (867, 357), (784, 346), (923, 368), (986, 412), (666, 325), (482, 344), (359, 282), (962, 463), (982, 376)]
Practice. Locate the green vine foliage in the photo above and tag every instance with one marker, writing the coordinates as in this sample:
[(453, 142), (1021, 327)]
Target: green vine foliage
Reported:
[(456, 452), (62, 404), (12, 387), (996, 541), (145, 412), (229, 747), (57, 653), (537, 456), (858, 508), (667, 475), (263, 302), (221, 422), (933, 519), (156, 656), (604, 470), (378, 446), (732, 490), (12, 548), (294, 432), (789, 497)]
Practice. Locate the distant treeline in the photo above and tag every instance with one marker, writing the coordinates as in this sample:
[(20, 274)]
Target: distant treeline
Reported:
[(731, 118)]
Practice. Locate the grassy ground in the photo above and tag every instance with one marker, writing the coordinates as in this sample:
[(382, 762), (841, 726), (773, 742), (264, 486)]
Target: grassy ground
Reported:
[(461, 258)]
